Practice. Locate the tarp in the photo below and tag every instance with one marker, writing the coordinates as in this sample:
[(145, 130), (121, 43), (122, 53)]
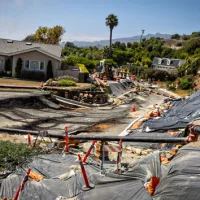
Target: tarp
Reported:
[(182, 178), (179, 115)]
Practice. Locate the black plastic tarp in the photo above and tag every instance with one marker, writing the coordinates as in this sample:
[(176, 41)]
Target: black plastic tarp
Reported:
[(179, 115)]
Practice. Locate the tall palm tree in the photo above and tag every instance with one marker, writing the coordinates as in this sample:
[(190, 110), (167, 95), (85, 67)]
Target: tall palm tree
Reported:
[(111, 21)]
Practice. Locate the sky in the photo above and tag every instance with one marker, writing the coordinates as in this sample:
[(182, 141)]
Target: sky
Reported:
[(84, 20)]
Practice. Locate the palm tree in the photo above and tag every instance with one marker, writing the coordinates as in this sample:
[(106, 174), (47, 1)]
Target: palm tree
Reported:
[(111, 21)]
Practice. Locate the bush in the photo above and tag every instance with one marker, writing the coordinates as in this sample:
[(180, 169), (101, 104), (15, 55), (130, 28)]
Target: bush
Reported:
[(33, 75), (186, 84), (12, 154), (69, 78), (66, 83), (2, 73), (18, 68)]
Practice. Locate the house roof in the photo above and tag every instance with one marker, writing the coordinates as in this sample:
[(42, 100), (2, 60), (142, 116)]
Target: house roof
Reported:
[(167, 62), (13, 47)]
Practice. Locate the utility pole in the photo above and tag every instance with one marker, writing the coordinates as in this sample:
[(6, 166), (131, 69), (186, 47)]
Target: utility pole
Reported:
[(141, 36)]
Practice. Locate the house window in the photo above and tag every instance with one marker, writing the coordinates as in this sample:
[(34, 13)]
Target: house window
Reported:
[(27, 64), (42, 66), (34, 65)]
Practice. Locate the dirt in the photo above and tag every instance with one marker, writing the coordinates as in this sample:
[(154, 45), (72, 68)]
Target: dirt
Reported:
[(12, 138)]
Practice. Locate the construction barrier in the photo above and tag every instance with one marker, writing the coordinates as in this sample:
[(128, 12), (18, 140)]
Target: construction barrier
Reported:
[(21, 187), (89, 151), (112, 148), (87, 186), (66, 140), (133, 108)]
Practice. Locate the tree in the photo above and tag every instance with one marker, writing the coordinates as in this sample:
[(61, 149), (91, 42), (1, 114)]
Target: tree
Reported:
[(49, 70), (111, 21), (129, 45), (122, 46), (191, 45), (29, 38), (175, 36), (49, 35), (116, 45), (106, 51), (18, 68), (69, 45), (8, 65)]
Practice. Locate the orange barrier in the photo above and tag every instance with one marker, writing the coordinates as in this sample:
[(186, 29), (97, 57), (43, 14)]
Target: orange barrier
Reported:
[(133, 108)]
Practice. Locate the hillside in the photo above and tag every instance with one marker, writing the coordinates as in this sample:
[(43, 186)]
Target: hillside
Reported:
[(122, 40)]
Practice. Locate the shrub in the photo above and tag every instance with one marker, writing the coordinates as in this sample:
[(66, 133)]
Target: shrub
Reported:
[(2, 73), (49, 70), (18, 68), (12, 154), (69, 78), (66, 83), (186, 84), (33, 75)]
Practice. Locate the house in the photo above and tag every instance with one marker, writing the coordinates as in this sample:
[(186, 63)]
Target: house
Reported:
[(35, 56), (166, 64)]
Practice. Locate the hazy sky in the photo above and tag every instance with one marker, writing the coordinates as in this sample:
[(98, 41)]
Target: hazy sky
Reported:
[(85, 19)]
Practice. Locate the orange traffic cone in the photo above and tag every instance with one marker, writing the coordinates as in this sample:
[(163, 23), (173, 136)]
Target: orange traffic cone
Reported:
[(133, 108)]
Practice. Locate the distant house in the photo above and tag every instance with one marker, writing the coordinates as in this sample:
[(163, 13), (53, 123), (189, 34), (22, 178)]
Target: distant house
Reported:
[(166, 64), (35, 56)]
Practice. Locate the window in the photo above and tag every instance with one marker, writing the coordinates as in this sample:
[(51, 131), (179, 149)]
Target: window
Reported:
[(27, 64), (42, 66), (34, 65), (168, 61)]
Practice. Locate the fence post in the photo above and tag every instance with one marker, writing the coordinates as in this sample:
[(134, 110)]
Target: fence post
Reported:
[(66, 140), (119, 155), (87, 186), (21, 187), (89, 151)]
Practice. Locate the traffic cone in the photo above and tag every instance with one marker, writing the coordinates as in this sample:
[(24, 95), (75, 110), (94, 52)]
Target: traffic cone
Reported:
[(133, 108), (41, 85)]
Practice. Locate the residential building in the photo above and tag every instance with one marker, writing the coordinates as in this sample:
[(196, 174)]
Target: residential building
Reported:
[(166, 64), (35, 56)]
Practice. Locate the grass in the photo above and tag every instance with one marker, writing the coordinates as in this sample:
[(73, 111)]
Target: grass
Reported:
[(18, 82)]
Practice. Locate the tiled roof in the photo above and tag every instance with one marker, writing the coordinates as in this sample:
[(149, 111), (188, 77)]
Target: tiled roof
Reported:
[(12, 47)]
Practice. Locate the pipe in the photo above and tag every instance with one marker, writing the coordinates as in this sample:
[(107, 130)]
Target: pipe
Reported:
[(102, 138), (25, 132), (129, 139)]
